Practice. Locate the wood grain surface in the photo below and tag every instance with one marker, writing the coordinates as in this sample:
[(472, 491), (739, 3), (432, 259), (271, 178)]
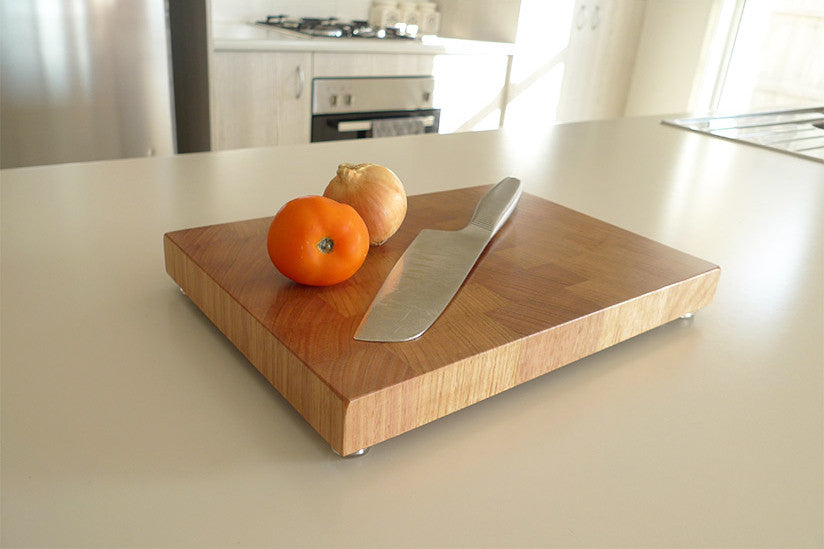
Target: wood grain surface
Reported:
[(552, 287)]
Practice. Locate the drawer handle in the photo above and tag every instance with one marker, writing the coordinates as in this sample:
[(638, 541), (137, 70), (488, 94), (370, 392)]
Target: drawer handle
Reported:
[(596, 18), (581, 18), (366, 125), (301, 82)]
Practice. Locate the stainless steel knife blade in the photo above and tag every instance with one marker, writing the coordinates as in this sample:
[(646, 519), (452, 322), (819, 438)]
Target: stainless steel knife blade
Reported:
[(432, 269)]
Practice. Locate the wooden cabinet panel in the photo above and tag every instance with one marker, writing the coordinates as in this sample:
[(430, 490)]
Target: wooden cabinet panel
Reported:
[(259, 99), (293, 73), (243, 96), (372, 64)]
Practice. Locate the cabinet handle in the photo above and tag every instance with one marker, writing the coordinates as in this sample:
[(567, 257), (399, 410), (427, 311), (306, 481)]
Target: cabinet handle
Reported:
[(582, 17), (301, 82), (596, 17)]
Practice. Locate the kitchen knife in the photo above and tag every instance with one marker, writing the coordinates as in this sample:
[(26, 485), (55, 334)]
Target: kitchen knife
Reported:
[(432, 269)]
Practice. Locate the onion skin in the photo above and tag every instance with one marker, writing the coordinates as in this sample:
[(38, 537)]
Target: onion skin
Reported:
[(375, 192)]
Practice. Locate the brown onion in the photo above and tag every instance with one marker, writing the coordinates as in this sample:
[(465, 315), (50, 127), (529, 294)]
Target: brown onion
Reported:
[(377, 195)]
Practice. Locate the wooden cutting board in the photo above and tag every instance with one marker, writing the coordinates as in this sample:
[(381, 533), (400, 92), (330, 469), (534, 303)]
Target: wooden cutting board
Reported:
[(552, 287)]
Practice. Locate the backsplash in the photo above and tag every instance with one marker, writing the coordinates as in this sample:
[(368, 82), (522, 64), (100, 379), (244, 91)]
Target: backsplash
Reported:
[(253, 10), (492, 20)]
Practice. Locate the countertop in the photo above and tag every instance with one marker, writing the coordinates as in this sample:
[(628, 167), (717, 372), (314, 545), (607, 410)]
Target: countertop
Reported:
[(129, 420), (254, 37)]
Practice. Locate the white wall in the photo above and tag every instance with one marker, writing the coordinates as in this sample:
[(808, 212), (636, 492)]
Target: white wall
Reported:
[(670, 55), (493, 20), (538, 64)]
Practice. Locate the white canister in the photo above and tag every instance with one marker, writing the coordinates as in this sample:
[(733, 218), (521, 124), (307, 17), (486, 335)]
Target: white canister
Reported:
[(384, 14), (430, 18), (410, 17)]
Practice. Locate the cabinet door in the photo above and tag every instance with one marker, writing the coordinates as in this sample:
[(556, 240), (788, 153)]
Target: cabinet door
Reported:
[(600, 57), (293, 92), (259, 99), (243, 100)]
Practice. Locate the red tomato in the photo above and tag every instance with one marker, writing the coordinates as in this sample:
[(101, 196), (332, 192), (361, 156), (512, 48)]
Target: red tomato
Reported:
[(317, 241)]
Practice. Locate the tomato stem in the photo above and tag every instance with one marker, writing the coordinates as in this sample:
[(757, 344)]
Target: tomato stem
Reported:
[(325, 245)]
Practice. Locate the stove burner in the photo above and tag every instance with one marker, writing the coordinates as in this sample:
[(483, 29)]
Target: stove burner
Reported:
[(331, 27)]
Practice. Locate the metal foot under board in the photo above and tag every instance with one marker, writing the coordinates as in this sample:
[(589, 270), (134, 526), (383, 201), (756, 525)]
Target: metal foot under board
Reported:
[(359, 453)]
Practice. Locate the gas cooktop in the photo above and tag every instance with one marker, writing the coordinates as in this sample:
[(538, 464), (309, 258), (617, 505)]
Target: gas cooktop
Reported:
[(331, 27)]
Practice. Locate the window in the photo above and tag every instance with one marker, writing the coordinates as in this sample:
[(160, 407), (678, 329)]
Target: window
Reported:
[(775, 56)]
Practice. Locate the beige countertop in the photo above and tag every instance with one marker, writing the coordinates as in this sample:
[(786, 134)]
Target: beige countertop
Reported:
[(129, 420), (253, 37)]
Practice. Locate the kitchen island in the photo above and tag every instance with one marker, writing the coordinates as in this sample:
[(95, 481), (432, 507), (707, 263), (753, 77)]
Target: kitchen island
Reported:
[(128, 419)]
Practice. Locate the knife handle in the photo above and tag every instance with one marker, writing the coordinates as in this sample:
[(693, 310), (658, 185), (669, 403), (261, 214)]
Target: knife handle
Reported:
[(496, 205)]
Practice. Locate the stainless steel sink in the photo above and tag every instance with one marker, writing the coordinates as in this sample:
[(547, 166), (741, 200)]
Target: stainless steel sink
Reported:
[(799, 131)]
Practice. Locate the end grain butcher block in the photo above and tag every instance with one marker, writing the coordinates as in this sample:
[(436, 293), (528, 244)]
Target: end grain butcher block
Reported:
[(552, 287)]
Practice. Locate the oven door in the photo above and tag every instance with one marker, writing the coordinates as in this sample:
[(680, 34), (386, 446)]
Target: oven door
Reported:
[(334, 127)]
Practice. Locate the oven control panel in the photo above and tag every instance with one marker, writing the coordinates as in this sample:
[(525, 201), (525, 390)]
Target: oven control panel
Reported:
[(372, 94)]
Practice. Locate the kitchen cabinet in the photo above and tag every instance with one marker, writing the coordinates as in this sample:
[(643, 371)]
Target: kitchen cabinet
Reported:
[(328, 64), (263, 98), (600, 57), (260, 98)]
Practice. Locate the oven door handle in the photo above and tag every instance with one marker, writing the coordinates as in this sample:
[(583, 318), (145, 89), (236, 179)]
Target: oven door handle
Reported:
[(366, 125)]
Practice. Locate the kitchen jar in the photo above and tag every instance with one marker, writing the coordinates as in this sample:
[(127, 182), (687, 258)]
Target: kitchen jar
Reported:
[(410, 17), (384, 14), (430, 18)]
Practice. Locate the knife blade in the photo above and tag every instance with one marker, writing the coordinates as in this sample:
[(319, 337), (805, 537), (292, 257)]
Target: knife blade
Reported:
[(432, 269)]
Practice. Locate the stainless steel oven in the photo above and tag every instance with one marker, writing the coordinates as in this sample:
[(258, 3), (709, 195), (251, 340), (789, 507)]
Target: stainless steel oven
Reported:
[(359, 108)]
